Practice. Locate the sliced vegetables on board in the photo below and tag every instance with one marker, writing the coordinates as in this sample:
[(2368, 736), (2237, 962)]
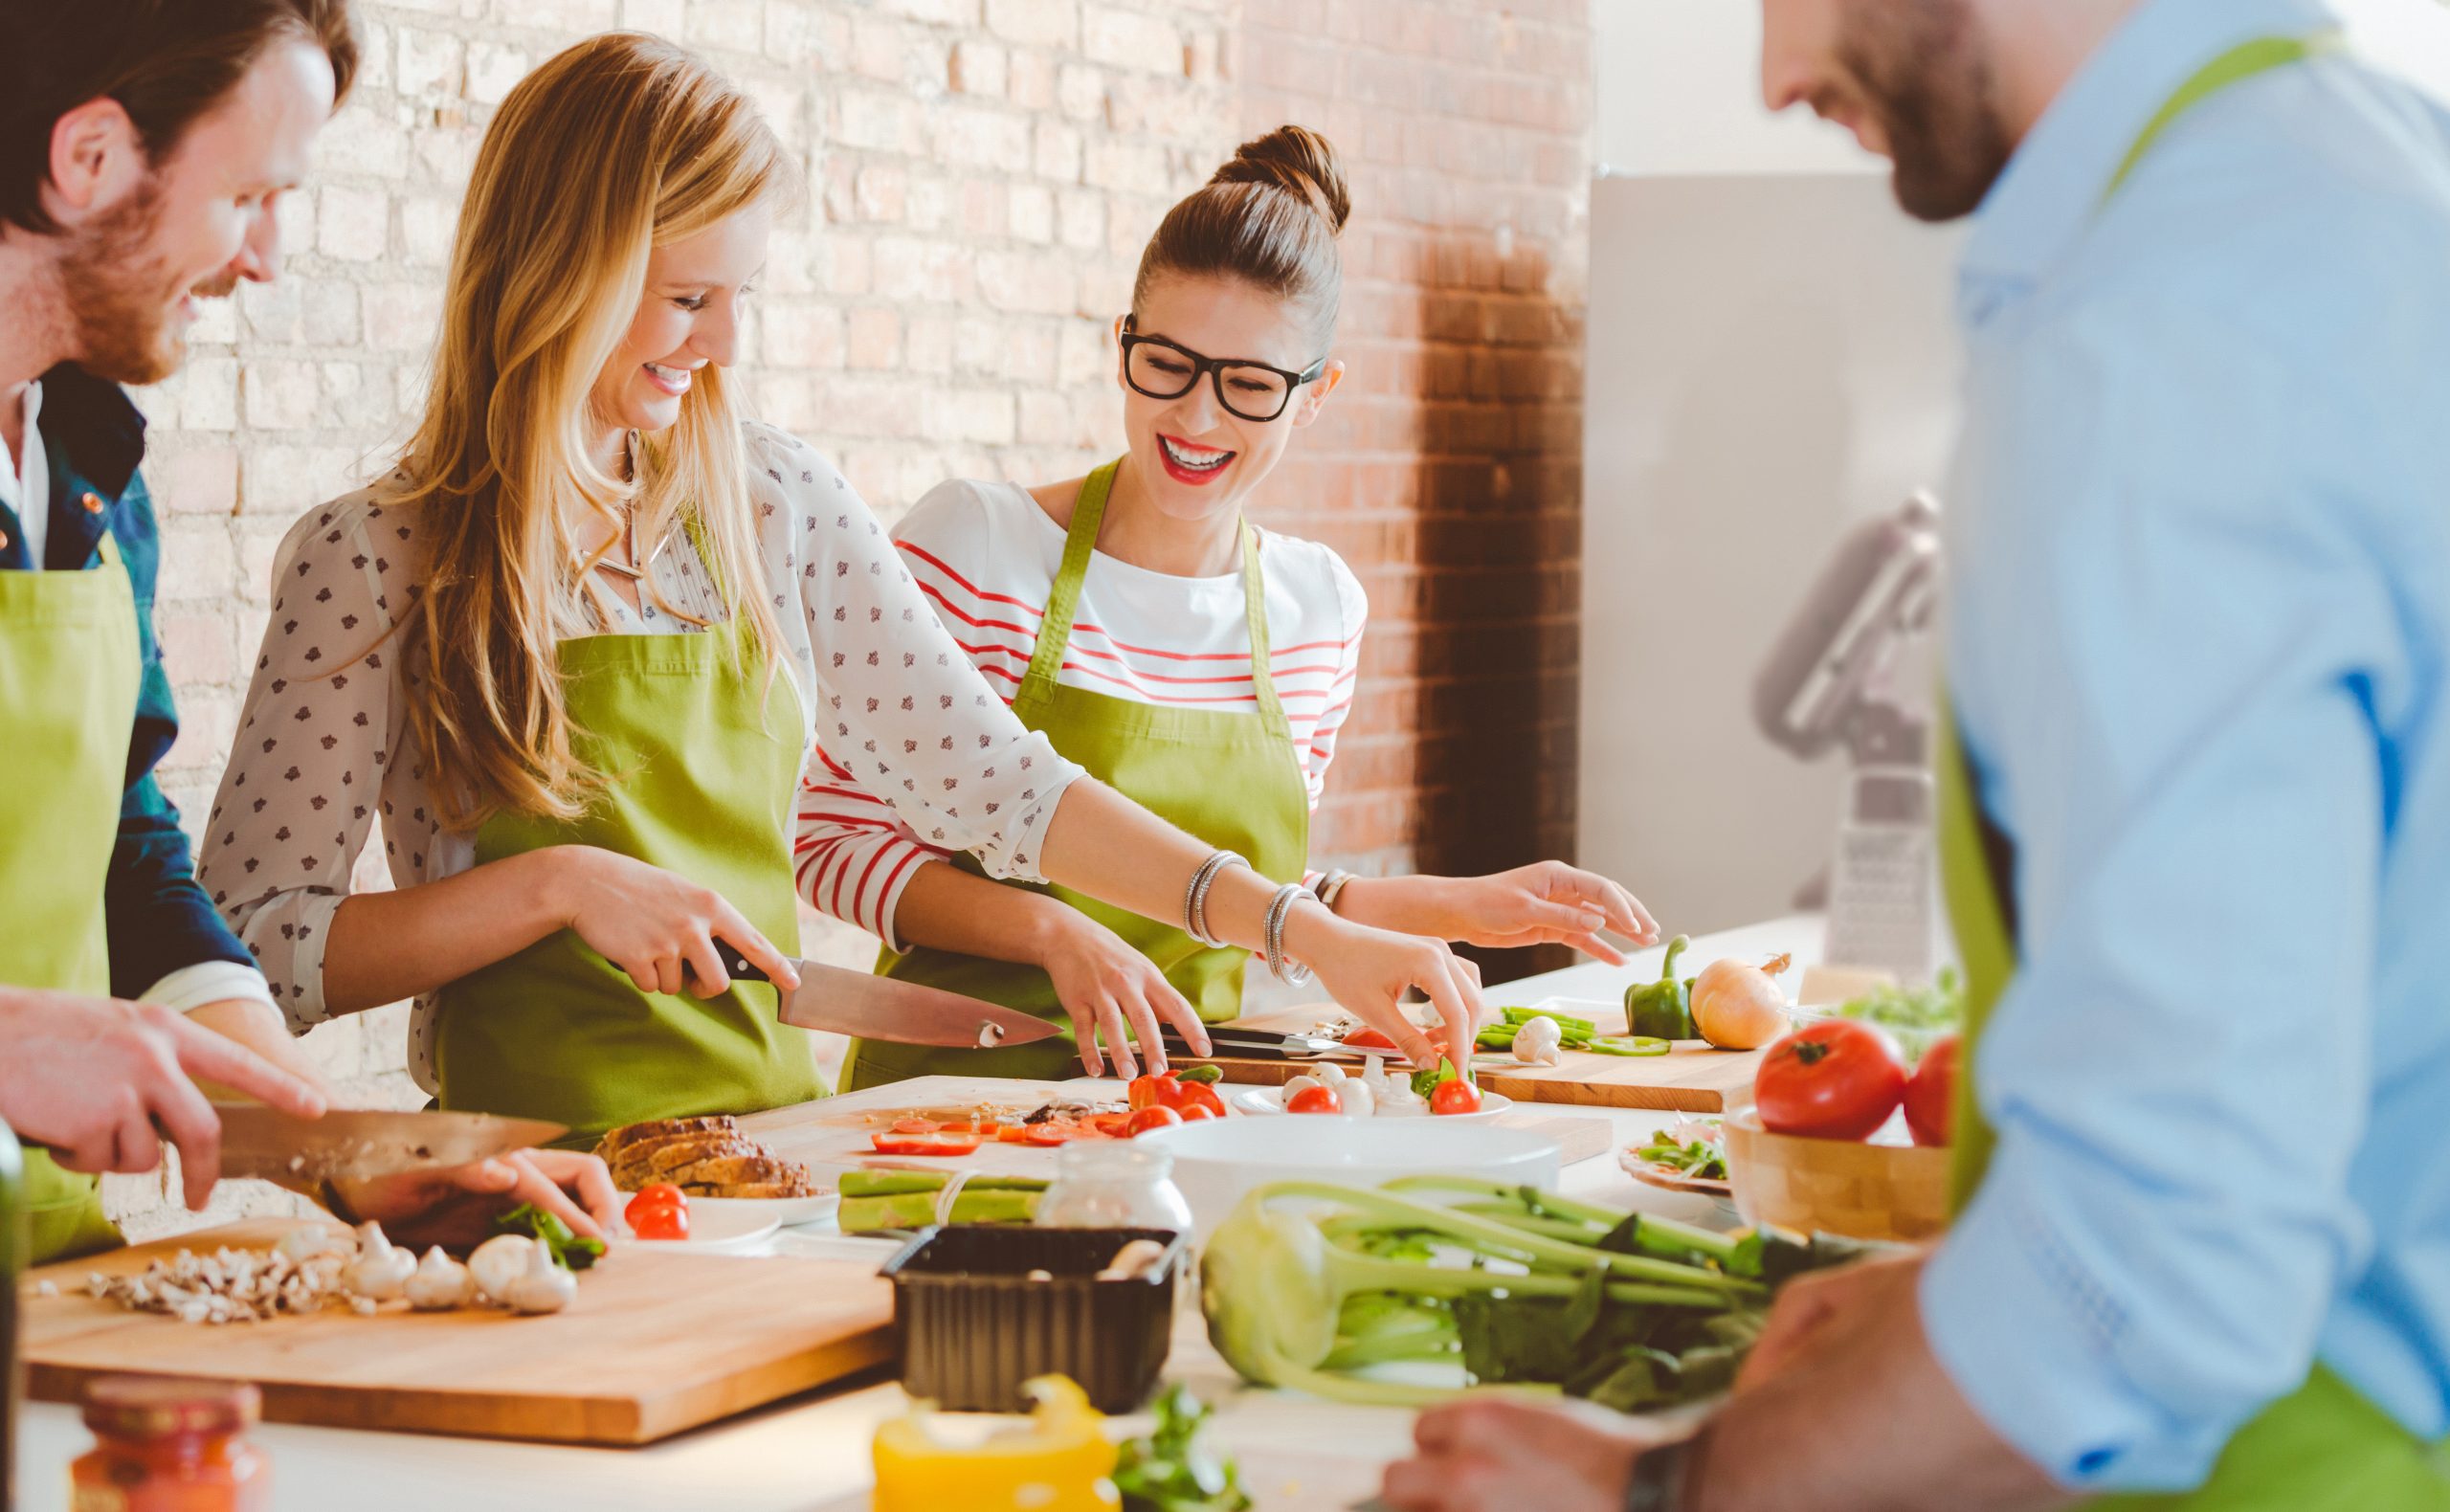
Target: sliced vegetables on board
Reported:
[(878, 1200)]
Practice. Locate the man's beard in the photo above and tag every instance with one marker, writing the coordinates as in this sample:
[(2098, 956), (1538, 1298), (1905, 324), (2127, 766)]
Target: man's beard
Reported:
[(1921, 66), (121, 297)]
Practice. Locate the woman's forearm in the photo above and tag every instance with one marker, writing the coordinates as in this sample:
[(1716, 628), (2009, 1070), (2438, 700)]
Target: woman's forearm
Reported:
[(1413, 905), (388, 946), (1102, 843), (945, 908)]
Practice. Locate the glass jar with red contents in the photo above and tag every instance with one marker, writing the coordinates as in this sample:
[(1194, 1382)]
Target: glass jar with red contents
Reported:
[(164, 1445)]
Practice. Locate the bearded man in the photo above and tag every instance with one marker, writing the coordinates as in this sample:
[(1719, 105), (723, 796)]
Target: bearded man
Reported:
[(2195, 804)]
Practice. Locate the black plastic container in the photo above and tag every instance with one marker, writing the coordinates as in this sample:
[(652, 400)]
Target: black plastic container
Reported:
[(972, 1326)]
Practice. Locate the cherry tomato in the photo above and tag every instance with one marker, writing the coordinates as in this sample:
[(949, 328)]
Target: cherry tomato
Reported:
[(663, 1220), (1930, 1094), (655, 1199), (1455, 1096), (1147, 1118), (924, 1144), (1838, 1078), (1315, 1099), (1198, 1095), (1193, 1112), (1155, 1090)]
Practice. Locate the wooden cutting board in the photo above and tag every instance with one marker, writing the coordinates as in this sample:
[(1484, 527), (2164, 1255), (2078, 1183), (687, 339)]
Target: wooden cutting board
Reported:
[(1691, 1078), (658, 1341)]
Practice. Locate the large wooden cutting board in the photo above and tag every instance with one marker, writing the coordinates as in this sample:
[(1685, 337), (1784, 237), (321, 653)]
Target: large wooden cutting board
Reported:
[(1691, 1078), (657, 1342)]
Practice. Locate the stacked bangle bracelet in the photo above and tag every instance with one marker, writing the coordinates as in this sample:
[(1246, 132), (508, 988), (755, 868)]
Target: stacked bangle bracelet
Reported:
[(1195, 896), (1290, 972), (1332, 884)]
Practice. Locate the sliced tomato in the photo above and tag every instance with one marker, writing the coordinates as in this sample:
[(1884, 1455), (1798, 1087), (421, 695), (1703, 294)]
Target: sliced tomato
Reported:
[(1146, 1119), (1013, 1133), (1198, 1095), (1120, 1125), (1193, 1112), (924, 1144), (916, 1126), (959, 1127), (1156, 1090), (1457, 1096), (1053, 1131), (1361, 1036)]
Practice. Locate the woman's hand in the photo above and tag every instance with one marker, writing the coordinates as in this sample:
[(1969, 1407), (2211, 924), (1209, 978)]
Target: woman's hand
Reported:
[(1367, 971), (1547, 902), (658, 926), (457, 1208), (1104, 984)]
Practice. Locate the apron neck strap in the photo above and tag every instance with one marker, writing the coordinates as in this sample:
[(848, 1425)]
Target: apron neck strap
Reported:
[(2246, 60), (1063, 600)]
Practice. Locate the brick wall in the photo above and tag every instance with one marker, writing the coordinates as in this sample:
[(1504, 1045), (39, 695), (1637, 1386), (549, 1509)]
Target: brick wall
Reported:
[(983, 175)]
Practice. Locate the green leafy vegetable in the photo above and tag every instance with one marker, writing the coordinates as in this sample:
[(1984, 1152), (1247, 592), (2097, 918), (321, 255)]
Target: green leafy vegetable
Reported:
[(1699, 1159), (1170, 1471), (1918, 1018), (874, 1201), (1424, 1082), (569, 1252)]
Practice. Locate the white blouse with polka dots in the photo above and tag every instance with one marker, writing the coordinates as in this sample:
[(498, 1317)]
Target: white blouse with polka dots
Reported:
[(319, 753)]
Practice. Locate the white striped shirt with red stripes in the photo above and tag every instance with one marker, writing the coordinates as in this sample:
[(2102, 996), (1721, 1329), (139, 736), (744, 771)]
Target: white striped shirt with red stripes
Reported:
[(986, 555)]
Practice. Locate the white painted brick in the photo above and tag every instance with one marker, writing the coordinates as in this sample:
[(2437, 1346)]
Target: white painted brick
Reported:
[(427, 225), (330, 316), (981, 137), (1082, 216), (577, 18), (1035, 23), (403, 317), (979, 67), (272, 312), (1029, 213), (1080, 91), (352, 224), (879, 120), (1056, 152), (363, 141), (935, 12), (662, 17), (281, 394), (1130, 39), (735, 25), (198, 560), (493, 69), (429, 62), (293, 224), (208, 394)]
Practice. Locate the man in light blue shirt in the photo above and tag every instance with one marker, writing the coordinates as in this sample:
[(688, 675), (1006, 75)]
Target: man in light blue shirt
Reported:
[(2200, 618)]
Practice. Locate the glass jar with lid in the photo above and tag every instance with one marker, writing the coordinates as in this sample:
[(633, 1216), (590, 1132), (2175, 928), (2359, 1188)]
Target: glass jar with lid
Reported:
[(167, 1445), (1114, 1184)]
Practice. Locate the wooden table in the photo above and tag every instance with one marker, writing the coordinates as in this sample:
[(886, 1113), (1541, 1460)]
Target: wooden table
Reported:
[(811, 1454)]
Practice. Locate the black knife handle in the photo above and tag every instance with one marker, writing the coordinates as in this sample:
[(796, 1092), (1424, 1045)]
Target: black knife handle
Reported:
[(741, 968)]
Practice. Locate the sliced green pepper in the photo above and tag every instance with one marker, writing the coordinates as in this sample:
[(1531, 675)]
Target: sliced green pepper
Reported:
[(1660, 1010), (1636, 1045)]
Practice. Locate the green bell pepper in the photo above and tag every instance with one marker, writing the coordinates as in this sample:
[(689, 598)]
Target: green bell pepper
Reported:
[(1663, 1009)]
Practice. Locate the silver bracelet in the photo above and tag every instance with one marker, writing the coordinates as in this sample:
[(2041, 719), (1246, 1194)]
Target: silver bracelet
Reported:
[(1196, 896), (1291, 973), (1331, 885)]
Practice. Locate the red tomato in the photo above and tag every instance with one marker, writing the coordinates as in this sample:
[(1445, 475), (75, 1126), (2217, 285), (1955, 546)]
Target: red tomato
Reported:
[(916, 1126), (1315, 1099), (1190, 1095), (663, 1220), (1147, 1118), (1193, 1112), (1155, 1090), (1013, 1134), (1455, 1096), (1362, 1036), (1053, 1131), (924, 1144), (1838, 1078), (1930, 1095), (1119, 1126), (661, 1197)]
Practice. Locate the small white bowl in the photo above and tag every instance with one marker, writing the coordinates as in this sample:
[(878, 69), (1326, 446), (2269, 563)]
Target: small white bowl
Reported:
[(1269, 1102), (1217, 1160)]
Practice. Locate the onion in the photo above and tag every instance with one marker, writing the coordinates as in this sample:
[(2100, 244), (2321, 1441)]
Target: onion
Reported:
[(1738, 1007)]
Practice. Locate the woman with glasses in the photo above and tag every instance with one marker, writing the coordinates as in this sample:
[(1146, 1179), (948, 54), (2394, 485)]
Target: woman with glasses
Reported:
[(573, 655), (1195, 662)]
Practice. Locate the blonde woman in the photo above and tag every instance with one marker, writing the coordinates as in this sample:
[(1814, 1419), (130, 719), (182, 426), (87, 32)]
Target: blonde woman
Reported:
[(1201, 665), (575, 653)]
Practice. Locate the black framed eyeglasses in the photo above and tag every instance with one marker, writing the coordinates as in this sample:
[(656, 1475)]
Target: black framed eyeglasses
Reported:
[(1255, 390)]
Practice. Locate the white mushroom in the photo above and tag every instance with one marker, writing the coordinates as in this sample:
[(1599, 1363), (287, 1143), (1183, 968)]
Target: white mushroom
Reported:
[(440, 1283), (300, 1245), (1133, 1260), (1360, 1099), (545, 1287), (1392, 1097), (1540, 1042), (1328, 1074), (1294, 1086), (499, 1263), (380, 1272)]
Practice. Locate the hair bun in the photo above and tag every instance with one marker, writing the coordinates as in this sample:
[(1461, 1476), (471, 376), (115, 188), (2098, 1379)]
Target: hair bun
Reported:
[(1299, 161)]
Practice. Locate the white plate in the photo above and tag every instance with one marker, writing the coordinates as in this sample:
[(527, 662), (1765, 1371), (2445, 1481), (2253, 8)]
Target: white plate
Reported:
[(1217, 1160), (1271, 1099), (714, 1227), (788, 1211)]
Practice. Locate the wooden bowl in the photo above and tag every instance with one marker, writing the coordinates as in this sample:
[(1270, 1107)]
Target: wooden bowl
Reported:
[(1826, 1186)]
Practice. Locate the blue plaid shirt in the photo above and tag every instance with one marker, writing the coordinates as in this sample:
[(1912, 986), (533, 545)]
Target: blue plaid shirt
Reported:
[(159, 919)]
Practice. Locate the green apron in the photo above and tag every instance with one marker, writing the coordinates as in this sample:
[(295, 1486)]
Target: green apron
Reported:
[(68, 683), (1234, 780), (702, 757), (2325, 1447)]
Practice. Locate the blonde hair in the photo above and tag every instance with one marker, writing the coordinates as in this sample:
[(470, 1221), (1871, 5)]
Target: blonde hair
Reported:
[(618, 145), (1269, 217)]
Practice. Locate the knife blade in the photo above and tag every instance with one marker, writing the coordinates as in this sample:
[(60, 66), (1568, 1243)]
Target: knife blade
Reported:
[(355, 1144), (871, 1007)]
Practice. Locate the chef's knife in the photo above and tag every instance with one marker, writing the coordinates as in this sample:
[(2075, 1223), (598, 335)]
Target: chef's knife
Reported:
[(871, 1007), (354, 1144)]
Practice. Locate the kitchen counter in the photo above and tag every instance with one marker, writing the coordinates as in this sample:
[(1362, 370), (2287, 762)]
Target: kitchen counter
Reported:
[(811, 1454)]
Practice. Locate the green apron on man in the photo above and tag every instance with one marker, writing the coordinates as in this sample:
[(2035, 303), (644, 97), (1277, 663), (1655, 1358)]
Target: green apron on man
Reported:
[(69, 669), (1234, 780), (701, 751)]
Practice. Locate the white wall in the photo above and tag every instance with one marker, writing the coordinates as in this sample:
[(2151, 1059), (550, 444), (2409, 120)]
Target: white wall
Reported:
[(1680, 91)]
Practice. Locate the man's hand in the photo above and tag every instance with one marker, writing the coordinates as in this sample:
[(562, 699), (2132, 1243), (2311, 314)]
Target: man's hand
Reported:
[(457, 1208), (1501, 1454), (101, 1081), (258, 1026), (1820, 1309)]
